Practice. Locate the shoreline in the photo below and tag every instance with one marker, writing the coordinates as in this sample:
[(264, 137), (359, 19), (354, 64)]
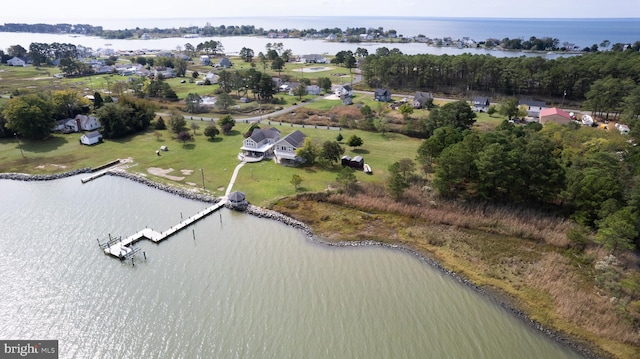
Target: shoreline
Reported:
[(259, 212)]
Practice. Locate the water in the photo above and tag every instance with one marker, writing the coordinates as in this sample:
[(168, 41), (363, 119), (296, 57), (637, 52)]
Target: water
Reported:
[(581, 32), (243, 288)]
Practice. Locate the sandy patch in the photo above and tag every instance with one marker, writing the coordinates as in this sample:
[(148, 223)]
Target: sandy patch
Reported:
[(186, 172), (191, 184), (51, 165), (160, 172), (332, 97)]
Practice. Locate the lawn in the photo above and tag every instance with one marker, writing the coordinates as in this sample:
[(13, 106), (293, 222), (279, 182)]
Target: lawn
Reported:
[(262, 182)]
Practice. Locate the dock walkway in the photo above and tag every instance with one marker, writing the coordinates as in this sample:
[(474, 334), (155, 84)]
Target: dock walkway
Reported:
[(121, 248)]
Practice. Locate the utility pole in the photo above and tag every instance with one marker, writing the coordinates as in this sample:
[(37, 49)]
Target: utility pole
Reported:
[(19, 144), (202, 172), (563, 95)]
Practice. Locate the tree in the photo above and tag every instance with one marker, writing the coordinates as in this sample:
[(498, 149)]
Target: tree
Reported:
[(184, 136), (193, 102), (68, 103), (346, 178), (296, 180), (339, 138), (277, 64), (618, 230), (177, 123), (246, 54), (309, 152), (160, 125), (331, 151), (509, 107), (194, 126), (195, 74), (97, 100), (354, 141), (397, 181), (224, 101), (367, 112), (324, 83), (300, 91), (211, 131), (226, 124), (29, 115), (381, 124), (406, 109), (456, 114)]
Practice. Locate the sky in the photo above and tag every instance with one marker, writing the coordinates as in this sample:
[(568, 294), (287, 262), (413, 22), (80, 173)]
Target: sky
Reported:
[(75, 11)]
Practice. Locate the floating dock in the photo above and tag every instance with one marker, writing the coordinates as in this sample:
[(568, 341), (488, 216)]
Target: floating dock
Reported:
[(121, 248)]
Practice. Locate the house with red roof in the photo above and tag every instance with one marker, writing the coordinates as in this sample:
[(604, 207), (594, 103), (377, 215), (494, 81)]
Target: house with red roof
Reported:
[(554, 114)]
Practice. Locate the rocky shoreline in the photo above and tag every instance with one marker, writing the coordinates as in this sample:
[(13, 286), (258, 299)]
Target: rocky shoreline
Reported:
[(308, 232)]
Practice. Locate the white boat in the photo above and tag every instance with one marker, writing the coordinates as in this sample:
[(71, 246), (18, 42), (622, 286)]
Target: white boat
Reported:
[(367, 169), (587, 120)]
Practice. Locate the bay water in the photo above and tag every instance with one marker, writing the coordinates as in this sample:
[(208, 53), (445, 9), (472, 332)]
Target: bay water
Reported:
[(230, 286)]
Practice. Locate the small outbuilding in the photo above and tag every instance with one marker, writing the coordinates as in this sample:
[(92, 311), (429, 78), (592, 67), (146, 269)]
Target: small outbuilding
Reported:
[(238, 201), (556, 115), (357, 163), (91, 138), (345, 160)]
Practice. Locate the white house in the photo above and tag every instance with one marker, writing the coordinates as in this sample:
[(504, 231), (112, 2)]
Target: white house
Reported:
[(87, 123), (313, 90), (533, 107), (260, 143), (66, 125), (344, 90), (285, 148), (91, 138), (16, 61), (313, 59)]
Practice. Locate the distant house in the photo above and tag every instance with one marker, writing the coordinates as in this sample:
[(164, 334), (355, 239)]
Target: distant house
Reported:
[(313, 59), (91, 138), (421, 98), (87, 123), (383, 95), (205, 60), (344, 90), (533, 107), (66, 125), (331, 37), (481, 104), (313, 90), (16, 61), (164, 72), (260, 144), (554, 114), (225, 63), (346, 100), (285, 148), (145, 36)]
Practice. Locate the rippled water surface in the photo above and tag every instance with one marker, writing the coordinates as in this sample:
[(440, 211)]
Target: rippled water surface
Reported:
[(230, 286)]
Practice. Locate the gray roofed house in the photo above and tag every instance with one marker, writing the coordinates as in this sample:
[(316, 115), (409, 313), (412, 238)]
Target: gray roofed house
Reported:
[(285, 148), (533, 107), (225, 62), (383, 95), (260, 143), (421, 98), (481, 104)]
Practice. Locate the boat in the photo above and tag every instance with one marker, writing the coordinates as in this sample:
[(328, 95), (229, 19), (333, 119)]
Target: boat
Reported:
[(367, 169)]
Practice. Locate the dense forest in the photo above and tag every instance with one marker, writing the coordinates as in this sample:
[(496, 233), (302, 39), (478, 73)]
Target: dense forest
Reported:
[(468, 75)]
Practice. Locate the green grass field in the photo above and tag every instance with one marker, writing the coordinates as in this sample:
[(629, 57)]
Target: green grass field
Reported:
[(263, 181)]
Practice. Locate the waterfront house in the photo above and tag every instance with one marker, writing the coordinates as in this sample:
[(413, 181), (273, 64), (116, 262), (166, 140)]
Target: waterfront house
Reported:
[(554, 114), (91, 138), (87, 123), (481, 104), (421, 98), (533, 107), (260, 144), (285, 148), (383, 95)]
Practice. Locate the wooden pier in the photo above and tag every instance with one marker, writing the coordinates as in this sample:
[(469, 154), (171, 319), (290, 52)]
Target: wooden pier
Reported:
[(121, 248)]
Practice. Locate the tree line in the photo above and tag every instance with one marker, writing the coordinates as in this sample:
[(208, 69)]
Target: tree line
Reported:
[(469, 75)]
